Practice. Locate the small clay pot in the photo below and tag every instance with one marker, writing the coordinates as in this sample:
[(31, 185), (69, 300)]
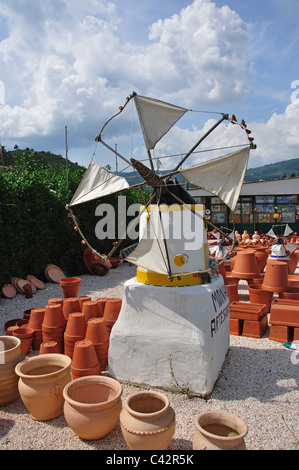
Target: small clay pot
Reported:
[(232, 290), (276, 276), (36, 318), (11, 329), (96, 331), (70, 286), (55, 300), (112, 309), (49, 347), (26, 337), (85, 360), (82, 299), (90, 309), (53, 316), (101, 304), (75, 331), (71, 305)]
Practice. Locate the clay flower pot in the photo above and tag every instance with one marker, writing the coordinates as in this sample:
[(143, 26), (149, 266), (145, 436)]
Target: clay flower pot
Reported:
[(276, 276), (231, 287), (49, 347), (74, 332), (70, 286), (42, 379), (245, 265), (71, 305), (11, 329), (53, 316), (26, 337), (259, 295), (293, 281), (10, 354), (85, 360), (101, 304), (92, 406), (82, 299), (36, 318), (218, 430), (97, 333), (292, 294), (111, 310), (147, 421), (292, 263), (55, 300), (261, 258), (90, 309)]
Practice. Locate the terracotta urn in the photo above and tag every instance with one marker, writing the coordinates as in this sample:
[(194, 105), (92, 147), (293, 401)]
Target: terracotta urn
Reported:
[(260, 296), (245, 265), (218, 430), (147, 421), (71, 305), (92, 406), (10, 355), (42, 379), (85, 360), (276, 276), (90, 309), (26, 337), (70, 286)]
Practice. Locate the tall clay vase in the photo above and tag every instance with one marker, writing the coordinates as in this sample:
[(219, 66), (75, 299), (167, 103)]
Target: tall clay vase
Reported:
[(26, 337), (147, 421), (74, 332), (97, 333), (10, 354), (90, 309), (259, 295), (70, 286), (71, 305), (92, 406), (245, 265), (276, 276), (218, 430), (85, 360), (42, 379)]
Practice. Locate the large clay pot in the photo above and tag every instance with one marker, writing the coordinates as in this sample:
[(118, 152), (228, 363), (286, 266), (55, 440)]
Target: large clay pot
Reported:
[(10, 354), (41, 382), (70, 286), (218, 430), (261, 257), (147, 421), (276, 276), (259, 295), (92, 406), (245, 265)]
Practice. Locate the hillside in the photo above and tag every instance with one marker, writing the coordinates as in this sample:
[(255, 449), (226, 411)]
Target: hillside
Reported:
[(274, 171)]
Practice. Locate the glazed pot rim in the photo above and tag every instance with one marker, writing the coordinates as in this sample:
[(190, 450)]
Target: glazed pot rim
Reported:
[(10, 339), (152, 393), (225, 418), (85, 381), (52, 358)]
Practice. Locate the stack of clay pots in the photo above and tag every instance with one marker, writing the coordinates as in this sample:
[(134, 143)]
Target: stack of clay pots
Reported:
[(101, 305), (85, 360), (35, 322), (97, 333), (90, 309), (111, 312), (74, 332), (54, 325), (25, 334)]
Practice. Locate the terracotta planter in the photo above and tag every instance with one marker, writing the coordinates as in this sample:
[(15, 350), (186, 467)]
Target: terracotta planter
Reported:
[(232, 290), (82, 299), (12, 322), (261, 257), (90, 309), (74, 332), (49, 347), (247, 311), (101, 304), (53, 316), (10, 355), (284, 314), (92, 406), (292, 294), (85, 360), (245, 265), (55, 300), (11, 329), (71, 305), (111, 311), (42, 379), (96, 330), (70, 286), (276, 276), (26, 337), (260, 296), (147, 421), (36, 318), (293, 281), (54, 334), (217, 430)]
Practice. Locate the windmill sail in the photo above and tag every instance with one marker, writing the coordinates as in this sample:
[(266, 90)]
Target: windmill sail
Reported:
[(221, 176), (156, 118), (97, 182)]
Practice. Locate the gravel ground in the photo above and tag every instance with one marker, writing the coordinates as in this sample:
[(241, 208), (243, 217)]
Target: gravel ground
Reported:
[(258, 382)]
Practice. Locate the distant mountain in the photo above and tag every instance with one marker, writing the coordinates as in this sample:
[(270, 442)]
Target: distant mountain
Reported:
[(274, 171)]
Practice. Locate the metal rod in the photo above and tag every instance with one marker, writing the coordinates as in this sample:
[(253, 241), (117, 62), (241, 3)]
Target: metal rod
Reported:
[(115, 152)]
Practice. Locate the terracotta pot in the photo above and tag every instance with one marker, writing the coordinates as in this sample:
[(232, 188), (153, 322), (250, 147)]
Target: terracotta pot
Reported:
[(26, 313), (290, 294), (221, 268), (102, 353), (245, 265), (26, 337), (42, 379), (10, 354), (101, 304), (284, 312), (82, 299), (96, 330), (54, 334), (92, 406), (90, 309), (111, 311), (11, 329), (12, 322), (256, 280), (55, 300), (276, 276), (292, 263), (218, 430), (49, 347), (75, 331), (53, 316), (147, 421), (260, 296), (70, 286), (85, 360), (22, 322), (71, 305), (232, 290), (261, 257), (36, 318), (293, 281)]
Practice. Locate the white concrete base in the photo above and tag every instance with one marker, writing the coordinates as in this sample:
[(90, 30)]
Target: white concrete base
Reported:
[(165, 335)]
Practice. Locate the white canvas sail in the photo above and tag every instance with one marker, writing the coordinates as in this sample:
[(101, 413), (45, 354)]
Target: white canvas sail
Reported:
[(150, 252), (221, 176), (287, 230), (156, 118), (97, 182)]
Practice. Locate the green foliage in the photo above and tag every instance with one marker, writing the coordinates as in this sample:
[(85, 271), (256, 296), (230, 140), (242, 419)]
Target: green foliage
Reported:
[(35, 228)]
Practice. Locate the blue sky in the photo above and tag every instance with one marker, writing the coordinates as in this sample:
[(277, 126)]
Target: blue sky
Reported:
[(72, 63)]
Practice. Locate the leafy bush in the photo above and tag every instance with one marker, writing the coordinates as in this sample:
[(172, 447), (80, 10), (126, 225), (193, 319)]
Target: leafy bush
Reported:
[(35, 226)]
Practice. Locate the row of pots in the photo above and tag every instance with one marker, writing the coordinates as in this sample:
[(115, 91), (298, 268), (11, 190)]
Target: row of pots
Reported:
[(92, 405)]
